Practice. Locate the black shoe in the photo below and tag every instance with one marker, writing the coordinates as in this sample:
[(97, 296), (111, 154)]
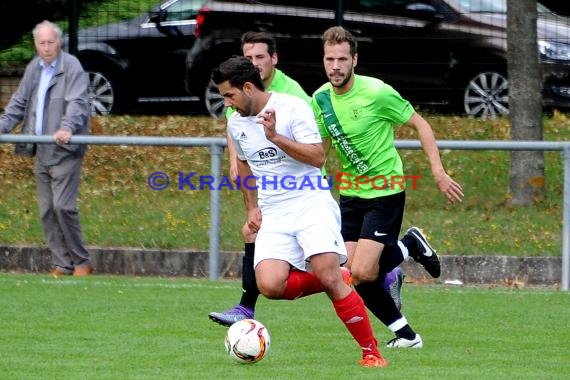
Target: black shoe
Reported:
[(424, 254)]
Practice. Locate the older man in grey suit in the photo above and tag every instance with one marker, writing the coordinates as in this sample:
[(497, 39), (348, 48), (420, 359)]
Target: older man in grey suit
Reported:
[(52, 100)]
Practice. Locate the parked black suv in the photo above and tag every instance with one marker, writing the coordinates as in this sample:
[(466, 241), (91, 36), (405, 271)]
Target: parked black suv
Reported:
[(139, 61), (433, 52)]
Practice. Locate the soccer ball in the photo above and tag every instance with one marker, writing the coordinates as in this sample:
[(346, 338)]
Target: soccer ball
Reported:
[(247, 341)]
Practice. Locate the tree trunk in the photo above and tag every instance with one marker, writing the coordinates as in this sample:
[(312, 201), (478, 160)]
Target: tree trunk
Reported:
[(526, 180)]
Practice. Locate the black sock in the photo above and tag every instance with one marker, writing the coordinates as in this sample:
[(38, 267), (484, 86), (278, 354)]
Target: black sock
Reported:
[(411, 244), (406, 332), (390, 258), (250, 290), (379, 301)]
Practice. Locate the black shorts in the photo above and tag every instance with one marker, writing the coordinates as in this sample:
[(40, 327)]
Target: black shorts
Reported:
[(378, 219)]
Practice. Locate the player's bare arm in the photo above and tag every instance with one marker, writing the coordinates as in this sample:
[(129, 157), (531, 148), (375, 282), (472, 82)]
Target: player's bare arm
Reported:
[(312, 154), (447, 185), (249, 195), (233, 159)]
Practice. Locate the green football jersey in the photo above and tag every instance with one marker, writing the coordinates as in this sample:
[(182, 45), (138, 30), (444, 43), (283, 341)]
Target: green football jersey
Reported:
[(361, 125)]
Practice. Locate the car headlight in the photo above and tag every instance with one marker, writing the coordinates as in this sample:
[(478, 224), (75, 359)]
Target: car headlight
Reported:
[(554, 50)]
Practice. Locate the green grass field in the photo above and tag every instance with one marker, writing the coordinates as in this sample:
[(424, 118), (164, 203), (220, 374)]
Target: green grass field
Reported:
[(106, 327)]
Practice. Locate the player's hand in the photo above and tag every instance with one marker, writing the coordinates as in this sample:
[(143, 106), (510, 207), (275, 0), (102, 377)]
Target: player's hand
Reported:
[(233, 172), (254, 219), (267, 119), (451, 189)]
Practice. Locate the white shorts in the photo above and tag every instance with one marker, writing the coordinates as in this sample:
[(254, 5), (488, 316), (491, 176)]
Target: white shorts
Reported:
[(295, 236)]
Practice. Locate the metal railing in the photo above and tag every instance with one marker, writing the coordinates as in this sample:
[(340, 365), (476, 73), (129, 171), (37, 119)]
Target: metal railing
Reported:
[(216, 147)]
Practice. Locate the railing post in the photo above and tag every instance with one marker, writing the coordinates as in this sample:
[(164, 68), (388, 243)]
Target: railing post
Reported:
[(566, 221), (214, 253)]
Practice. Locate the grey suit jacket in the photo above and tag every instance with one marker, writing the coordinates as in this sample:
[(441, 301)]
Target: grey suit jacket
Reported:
[(66, 106)]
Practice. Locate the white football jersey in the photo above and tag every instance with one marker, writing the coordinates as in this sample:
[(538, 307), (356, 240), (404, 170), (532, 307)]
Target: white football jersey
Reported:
[(278, 175)]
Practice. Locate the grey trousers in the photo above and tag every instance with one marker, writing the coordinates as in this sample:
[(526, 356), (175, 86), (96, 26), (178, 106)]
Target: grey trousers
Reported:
[(58, 188)]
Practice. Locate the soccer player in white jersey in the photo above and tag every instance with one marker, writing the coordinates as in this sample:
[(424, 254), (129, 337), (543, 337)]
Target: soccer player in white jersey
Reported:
[(261, 49), (287, 200)]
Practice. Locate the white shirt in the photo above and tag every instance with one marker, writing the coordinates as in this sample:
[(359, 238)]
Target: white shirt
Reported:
[(48, 72), (281, 180)]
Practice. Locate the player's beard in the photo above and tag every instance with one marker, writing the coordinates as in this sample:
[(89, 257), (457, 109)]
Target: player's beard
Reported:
[(345, 79), (246, 109)]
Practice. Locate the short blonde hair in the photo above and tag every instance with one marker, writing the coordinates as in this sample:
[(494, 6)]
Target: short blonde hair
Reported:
[(337, 35)]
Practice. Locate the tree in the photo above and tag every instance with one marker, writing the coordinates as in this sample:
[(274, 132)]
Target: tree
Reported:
[(526, 182)]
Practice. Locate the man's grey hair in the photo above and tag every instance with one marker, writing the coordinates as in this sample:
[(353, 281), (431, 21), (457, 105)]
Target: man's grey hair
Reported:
[(50, 24)]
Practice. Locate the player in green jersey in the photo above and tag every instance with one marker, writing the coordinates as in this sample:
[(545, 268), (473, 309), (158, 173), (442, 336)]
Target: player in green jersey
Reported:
[(357, 114)]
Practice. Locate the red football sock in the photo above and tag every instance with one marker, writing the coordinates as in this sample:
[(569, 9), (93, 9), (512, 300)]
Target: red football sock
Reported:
[(352, 312), (301, 284)]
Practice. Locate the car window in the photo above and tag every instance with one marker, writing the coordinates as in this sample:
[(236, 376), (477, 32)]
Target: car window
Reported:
[(178, 10), (384, 6), (492, 6), (377, 6), (477, 6)]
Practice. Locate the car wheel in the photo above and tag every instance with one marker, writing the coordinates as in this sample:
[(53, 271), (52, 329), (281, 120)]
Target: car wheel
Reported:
[(486, 95), (102, 96), (213, 101)]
